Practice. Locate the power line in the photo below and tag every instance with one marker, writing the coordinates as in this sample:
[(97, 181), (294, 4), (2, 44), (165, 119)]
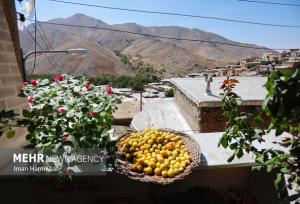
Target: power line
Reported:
[(272, 3), (177, 14), (41, 36), (34, 63), (32, 38), (41, 28), (157, 36), (47, 48)]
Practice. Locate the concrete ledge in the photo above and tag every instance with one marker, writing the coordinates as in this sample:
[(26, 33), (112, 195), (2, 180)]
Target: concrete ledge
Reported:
[(250, 89)]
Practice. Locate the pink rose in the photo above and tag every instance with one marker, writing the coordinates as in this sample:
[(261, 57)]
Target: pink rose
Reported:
[(61, 110), (25, 84), (66, 137), (34, 82), (30, 99), (93, 114), (58, 78), (88, 86), (109, 90)]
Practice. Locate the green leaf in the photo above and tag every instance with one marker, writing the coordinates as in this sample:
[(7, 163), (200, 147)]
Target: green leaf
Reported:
[(28, 136), (26, 113), (21, 94), (233, 145), (10, 134), (269, 168), (257, 167), (285, 170), (231, 158), (278, 182), (223, 141), (239, 152), (44, 82)]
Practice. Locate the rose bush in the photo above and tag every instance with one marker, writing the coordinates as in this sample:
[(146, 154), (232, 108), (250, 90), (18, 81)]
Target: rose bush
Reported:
[(68, 112)]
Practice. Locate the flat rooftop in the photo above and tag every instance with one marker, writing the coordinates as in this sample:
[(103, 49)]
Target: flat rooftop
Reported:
[(250, 89), (164, 114)]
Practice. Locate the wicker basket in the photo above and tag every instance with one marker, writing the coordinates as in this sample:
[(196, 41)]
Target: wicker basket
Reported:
[(124, 167)]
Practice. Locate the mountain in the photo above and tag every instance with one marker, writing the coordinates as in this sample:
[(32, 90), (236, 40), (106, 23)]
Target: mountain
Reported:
[(175, 56)]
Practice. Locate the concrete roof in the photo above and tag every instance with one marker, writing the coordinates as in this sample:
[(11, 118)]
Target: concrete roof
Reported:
[(161, 114), (250, 89), (214, 156)]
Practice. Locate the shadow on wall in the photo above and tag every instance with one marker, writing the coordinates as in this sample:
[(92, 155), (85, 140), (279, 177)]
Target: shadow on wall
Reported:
[(202, 186)]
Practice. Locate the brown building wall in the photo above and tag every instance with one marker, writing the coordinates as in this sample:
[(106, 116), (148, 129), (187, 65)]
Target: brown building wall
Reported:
[(10, 75), (212, 119), (10, 13)]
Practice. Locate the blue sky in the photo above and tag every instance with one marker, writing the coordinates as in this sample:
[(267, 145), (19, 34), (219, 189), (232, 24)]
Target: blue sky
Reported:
[(273, 37)]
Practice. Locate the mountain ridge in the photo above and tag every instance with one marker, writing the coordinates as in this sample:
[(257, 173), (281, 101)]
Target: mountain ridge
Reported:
[(175, 56)]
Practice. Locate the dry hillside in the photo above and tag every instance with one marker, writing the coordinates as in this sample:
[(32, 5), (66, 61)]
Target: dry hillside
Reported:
[(176, 57)]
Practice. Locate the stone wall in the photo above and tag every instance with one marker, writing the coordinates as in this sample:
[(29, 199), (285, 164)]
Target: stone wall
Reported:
[(189, 110), (10, 75)]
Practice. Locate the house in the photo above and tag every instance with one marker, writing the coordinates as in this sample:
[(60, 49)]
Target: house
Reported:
[(232, 66), (291, 60), (240, 71), (294, 52), (271, 57), (250, 62), (202, 110)]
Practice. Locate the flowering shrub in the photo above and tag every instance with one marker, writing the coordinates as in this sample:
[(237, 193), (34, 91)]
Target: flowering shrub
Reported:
[(68, 112)]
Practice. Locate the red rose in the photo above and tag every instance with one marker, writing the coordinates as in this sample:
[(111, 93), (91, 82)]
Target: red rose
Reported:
[(109, 90), (93, 114), (88, 86), (61, 110), (25, 84), (34, 82), (66, 137), (58, 78), (30, 99)]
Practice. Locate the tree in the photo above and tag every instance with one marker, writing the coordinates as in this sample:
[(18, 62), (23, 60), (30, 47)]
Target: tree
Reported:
[(282, 106)]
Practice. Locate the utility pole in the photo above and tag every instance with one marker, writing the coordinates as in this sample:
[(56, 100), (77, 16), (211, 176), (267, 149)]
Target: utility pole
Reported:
[(141, 100)]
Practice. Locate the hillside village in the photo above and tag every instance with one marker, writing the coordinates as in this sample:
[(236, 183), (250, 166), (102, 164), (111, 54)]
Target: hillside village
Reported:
[(259, 65)]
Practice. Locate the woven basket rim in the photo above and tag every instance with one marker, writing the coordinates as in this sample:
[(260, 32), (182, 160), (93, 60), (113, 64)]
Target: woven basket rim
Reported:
[(123, 167)]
